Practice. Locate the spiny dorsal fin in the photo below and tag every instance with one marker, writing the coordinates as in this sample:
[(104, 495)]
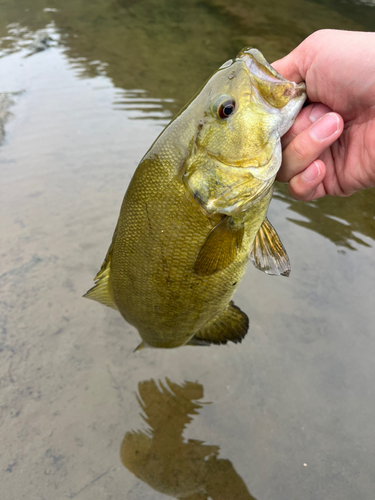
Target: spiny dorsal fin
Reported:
[(220, 248), (231, 325), (100, 291), (268, 253)]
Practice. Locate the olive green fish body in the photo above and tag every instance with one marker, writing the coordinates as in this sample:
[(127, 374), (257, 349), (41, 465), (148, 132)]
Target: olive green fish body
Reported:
[(155, 287), (196, 209)]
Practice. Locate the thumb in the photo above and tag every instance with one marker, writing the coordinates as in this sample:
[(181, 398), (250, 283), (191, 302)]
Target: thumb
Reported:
[(290, 67), (295, 65)]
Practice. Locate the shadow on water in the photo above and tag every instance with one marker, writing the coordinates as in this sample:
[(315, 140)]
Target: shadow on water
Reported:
[(170, 464)]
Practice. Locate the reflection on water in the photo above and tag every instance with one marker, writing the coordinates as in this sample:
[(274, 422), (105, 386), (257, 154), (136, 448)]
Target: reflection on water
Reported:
[(158, 54), (361, 11), (5, 102), (141, 107), (305, 375), (344, 221), (172, 465), (166, 48), (21, 37)]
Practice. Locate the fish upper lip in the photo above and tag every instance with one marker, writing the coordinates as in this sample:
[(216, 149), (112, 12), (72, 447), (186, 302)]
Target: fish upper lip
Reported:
[(299, 89), (254, 69)]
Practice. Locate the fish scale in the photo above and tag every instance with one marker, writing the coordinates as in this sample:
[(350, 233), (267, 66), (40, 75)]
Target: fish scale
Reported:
[(196, 208)]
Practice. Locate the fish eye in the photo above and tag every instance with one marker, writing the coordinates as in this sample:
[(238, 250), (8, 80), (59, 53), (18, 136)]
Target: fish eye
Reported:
[(226, 108)]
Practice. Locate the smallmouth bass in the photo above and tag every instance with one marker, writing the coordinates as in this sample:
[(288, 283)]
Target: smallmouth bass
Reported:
[(196, 210)]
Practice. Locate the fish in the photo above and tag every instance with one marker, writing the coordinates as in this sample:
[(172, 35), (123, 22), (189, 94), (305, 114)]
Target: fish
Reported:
[(195, 211)]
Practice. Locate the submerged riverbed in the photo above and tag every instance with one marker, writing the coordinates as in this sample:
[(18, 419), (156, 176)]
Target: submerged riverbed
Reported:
[(85, 88)]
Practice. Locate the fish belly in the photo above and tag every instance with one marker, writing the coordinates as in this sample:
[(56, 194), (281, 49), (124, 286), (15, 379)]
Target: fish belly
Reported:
[(160, 232)]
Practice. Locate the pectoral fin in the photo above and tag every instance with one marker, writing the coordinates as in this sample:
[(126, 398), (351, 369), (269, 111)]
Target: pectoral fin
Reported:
[(268, 253), (220, 248), (231, 325)]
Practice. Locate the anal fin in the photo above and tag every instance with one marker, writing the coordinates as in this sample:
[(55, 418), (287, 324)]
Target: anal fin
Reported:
[(220, 248), (268, 253), (140, 347), (231, 325)]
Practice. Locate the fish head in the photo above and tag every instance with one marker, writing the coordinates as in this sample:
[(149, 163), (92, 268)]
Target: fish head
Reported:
[(244, 110)]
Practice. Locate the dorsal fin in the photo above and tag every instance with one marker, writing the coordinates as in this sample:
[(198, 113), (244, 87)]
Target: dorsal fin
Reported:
[(101, 291)]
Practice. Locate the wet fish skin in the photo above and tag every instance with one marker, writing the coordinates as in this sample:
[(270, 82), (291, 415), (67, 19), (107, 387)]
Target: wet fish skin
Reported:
[(194, 207)]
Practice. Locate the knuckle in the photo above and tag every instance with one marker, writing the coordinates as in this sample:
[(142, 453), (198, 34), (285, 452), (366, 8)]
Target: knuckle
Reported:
[(287, 139), (297, 150), (282, 176), (319, 35), (298, 190), (296, 195)]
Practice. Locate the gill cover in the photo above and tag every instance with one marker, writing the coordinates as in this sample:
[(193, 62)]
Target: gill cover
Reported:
[(237, 149)]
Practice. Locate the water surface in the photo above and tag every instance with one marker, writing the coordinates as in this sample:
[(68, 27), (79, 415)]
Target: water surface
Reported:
[(289, 413)]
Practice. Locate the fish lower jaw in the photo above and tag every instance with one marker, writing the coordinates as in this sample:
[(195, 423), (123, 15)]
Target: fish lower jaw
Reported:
[(241, 204)]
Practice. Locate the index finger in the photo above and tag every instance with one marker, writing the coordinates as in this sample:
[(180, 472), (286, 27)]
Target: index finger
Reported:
[(309, 145), (305, 118)]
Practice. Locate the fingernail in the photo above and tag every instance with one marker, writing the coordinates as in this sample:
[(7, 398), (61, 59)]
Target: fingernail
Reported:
[(317, 112), (311, 172), (326, 126)]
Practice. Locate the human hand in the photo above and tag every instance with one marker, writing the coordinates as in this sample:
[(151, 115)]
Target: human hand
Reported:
[(330, 149)]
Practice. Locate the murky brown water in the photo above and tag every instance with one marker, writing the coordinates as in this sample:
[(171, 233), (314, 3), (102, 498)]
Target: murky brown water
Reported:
[(291, 410)]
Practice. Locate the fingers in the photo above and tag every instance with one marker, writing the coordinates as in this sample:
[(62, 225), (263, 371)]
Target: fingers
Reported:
[(309, 144), (308, 185), (306, 117), (313, 133)]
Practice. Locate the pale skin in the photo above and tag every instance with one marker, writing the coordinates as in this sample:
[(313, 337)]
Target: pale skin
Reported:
[(330, 150)]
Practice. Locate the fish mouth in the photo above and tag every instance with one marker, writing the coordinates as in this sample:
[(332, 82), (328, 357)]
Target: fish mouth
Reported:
[(245, 166), (273, 87), (299, 90)]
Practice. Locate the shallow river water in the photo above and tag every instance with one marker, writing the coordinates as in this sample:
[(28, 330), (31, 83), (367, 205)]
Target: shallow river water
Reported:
[(286, 415)]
